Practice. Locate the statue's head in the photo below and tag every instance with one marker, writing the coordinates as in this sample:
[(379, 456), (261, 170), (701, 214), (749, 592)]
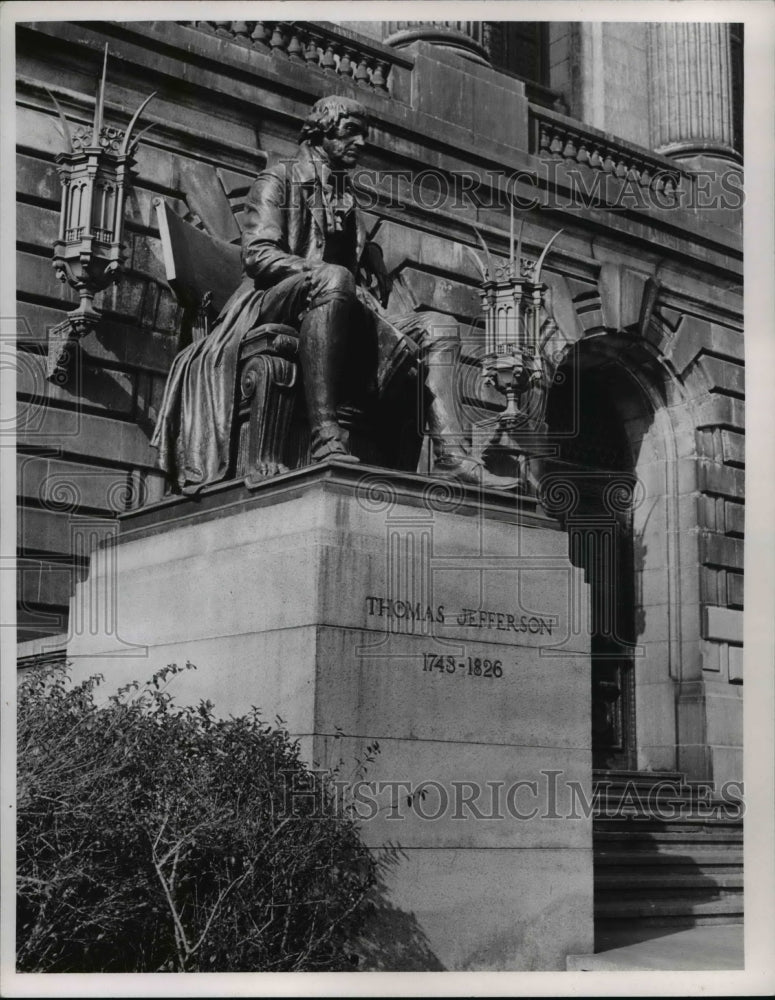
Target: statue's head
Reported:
[(339, 126)]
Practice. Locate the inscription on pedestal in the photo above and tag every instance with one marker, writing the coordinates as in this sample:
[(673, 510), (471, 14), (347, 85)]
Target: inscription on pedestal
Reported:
[(481, 618), (468, 666)]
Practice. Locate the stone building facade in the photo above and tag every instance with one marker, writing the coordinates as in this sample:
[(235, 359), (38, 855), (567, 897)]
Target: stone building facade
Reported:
[(626, 137)]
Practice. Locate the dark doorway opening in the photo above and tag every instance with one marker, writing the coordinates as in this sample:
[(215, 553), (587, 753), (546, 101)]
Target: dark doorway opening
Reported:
[(592, 459)]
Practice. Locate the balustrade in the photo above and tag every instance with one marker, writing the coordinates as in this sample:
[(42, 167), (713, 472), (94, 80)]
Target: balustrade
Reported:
[(320, 45)]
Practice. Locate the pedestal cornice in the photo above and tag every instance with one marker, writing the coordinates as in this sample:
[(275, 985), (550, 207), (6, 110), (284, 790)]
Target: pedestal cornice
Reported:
[(374, 487)]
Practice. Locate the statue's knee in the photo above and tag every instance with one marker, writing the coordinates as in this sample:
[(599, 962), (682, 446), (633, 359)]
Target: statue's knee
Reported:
[(335, 282)]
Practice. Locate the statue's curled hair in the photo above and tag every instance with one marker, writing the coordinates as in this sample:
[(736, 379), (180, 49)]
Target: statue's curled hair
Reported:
[(326, 114)]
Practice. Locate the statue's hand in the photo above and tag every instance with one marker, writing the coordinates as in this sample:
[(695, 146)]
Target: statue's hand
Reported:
[(315, 277), (373, 264)]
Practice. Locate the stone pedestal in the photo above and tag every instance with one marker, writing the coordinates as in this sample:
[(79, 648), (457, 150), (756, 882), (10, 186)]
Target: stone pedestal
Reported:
[(445, 624)]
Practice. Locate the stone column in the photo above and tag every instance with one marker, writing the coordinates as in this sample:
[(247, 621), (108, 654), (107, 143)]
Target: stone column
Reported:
[(691, 90)]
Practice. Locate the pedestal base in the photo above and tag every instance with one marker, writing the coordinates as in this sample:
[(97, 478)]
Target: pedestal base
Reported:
[(445, 624)]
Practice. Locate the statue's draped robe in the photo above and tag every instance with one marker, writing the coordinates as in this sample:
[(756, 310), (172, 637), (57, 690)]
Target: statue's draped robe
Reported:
[(289, 216)]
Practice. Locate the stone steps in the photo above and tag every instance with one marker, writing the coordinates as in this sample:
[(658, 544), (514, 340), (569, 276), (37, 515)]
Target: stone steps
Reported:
[(667, 833), (641, 778), (726, 909), (656, 867), (668, 879), (717, 861)]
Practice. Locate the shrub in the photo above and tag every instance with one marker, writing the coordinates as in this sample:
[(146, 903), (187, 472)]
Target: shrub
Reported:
[(155, 838)]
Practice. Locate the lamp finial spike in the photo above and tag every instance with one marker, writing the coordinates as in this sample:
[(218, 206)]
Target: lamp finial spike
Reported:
[(511, 235), (99, 104)]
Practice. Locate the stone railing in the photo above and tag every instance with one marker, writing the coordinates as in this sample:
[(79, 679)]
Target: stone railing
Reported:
[(319, 44), (556, 137)]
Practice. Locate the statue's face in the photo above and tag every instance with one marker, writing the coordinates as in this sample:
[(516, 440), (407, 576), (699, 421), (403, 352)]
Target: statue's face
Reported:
[(343, 146)]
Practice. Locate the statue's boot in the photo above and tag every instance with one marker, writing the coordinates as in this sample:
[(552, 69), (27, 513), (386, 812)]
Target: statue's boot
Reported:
[(451, 459), (323, 356)]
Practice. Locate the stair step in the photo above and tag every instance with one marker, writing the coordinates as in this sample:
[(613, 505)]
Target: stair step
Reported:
[(666, 815), (653, 907), (646, 791), (605, 927), (662, 793), (673, 811), (626, 824), (654, 841), (664, 854), (669, 881), (636, 777), (679, 841), (715, 859)]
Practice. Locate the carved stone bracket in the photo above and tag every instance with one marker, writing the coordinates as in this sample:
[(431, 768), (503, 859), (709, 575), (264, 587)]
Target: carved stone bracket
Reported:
[(63, 344)]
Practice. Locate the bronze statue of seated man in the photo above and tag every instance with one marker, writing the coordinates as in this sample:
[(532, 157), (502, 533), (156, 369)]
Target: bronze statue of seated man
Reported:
[(307, 263)]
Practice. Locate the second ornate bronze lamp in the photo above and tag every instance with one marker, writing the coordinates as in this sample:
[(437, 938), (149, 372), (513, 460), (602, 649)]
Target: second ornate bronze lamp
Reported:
[(95, 171)]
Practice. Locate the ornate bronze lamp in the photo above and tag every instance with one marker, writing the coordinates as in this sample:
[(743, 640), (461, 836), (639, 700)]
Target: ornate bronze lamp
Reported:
[(95, 172), (513, 298)]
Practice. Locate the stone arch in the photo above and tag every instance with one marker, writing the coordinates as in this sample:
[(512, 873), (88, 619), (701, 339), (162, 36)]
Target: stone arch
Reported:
[(616, 337)]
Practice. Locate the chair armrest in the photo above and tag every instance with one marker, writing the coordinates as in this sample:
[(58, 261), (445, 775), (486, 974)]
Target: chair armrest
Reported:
[(270, 338)]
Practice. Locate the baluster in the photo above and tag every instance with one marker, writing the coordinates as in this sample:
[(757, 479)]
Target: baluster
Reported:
[(582, 156), (260, 36), (241, 32), (569, 149), (223, 28), (206, 26), (645, 177), (556, 146), (278, 41), (311, 53), (621, 169), (327, 61), (295, 47), (543, 139), (361, 75), (380, 75), (594, 160), (346, 65), (608, 163), (487, 37)]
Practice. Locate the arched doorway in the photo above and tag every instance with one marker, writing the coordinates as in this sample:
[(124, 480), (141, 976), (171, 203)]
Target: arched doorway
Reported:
[(597, 416)]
